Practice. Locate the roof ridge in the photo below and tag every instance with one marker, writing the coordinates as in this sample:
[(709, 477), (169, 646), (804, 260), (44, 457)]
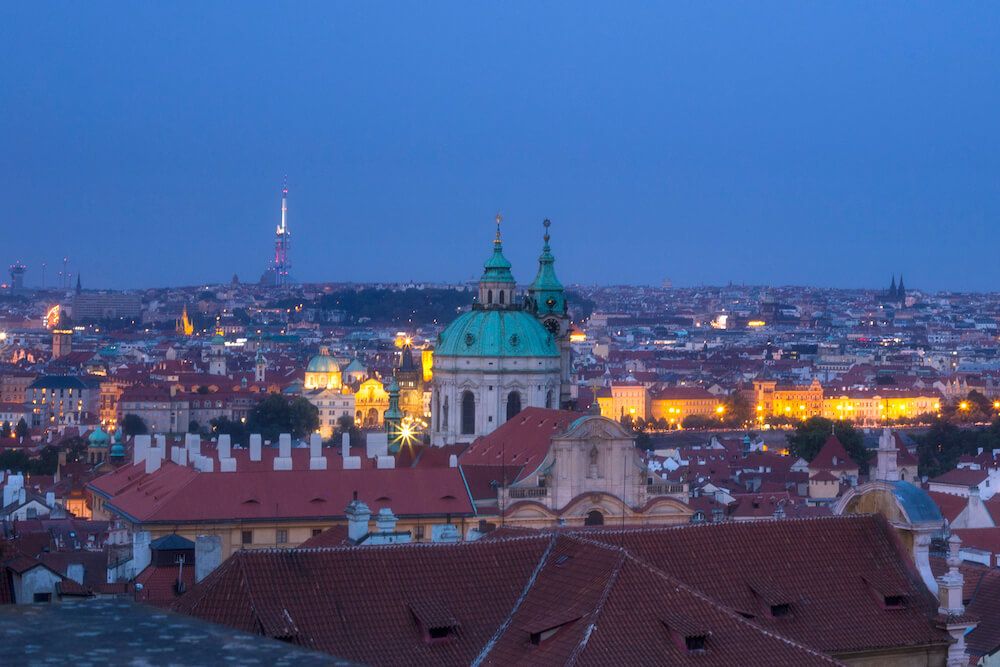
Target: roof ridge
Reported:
[(529, 584), (598, 608)]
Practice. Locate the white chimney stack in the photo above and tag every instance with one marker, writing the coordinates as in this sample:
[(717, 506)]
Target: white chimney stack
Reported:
[(345, 445), (283, 461), (192, 442), (225, 446), (255, 444), (152, 461), (385, 462), (358, 515), (140, 446), (453, 461), (316, 459)]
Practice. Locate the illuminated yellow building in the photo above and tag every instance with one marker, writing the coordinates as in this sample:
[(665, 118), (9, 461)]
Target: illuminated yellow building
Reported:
[(370, 402), (877, 406), (630, 400), (771, 399), (673, 404), (322, 372), (185, 326)]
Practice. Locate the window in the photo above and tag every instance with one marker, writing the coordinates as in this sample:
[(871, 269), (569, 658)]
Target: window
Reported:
[(501, 297), (513, 404), (246, 537), (895, 601), (468, 413), (594, 518), (548, 399), (281, 536), (42, 597), (782, 609), (489, 296), (316, 531), (695, 642), (418, 532)]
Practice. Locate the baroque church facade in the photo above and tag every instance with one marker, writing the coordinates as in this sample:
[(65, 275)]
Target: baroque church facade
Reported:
[(507, 353)]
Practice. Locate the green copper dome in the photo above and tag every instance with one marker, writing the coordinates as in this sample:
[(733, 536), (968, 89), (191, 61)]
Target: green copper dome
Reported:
[(98, 438), (322, 363), (496, 333), (497, 268)]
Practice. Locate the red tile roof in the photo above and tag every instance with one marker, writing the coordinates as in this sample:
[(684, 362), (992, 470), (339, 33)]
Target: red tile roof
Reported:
[(522, 442), (961, 477), (256, 491), (833, 456), (562, 599), (950, 504)]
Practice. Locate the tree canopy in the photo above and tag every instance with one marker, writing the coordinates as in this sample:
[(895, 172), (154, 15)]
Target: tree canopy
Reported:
[(276, 414)]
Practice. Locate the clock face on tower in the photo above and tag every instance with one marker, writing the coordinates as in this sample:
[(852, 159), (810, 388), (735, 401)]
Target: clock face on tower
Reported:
[(552, 326)]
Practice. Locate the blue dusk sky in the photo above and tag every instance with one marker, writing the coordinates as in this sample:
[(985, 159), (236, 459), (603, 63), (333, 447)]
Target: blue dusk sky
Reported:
[(810, 143)]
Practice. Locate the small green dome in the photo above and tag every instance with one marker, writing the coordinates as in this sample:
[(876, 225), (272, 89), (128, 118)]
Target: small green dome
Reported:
[(322, 363), (98, 438), (496, 333)]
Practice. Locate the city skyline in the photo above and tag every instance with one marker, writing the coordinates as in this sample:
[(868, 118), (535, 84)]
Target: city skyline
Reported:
[(682, 140)]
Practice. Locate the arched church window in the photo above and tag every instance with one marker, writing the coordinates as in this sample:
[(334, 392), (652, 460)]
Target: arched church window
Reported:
[(444, 421), (489, 296), (594, 518), (513, 404), (468, 413), (548, 399), (501, 297), (371, 419)]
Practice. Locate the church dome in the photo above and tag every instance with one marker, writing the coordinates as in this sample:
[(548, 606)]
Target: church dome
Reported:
[(322, 363), (98, 438), (496, 333)]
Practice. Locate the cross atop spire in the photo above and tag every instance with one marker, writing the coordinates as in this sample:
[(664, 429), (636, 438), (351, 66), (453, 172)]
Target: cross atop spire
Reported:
[(546, 223), (499, 219)]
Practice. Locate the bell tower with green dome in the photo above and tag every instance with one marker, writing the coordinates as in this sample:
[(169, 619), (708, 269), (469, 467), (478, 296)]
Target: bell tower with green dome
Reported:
[(497, 285), (546, 299), (493, 360)]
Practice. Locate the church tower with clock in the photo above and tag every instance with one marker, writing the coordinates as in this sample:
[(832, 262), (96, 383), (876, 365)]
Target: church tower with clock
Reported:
[(546, 300)]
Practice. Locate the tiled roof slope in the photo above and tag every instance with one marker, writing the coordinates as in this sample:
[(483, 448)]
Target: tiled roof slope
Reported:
[(256, 492), (830, 570), (521, 442), (606, 597)]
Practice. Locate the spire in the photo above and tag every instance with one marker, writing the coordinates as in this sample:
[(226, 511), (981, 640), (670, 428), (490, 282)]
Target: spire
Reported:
[(546, 292), (79, 285), (901, 290)]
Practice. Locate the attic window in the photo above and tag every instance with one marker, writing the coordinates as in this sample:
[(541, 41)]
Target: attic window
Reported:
[(562, 560), (440, 632), (780, 610), (894, 601), (539, 637), (696, 643)]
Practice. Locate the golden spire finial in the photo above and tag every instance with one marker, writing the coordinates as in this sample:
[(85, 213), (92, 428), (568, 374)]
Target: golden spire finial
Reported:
[(499, 220)]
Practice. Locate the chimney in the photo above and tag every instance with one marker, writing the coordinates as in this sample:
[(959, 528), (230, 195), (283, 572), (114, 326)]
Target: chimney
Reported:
[(50, 499), (385, 462), (207, 555), (161, 441), (357, 519), (886, 469), (316, 459), (950, 584), (255, 446), (140, 445), (192, 442), (283, 461), (224, 446), (75, 572), (453, 461), (140, 552), (152, 462), (385, 521)]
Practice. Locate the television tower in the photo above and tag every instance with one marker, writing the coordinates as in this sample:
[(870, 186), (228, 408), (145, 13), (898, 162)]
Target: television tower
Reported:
[(282, 238)]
